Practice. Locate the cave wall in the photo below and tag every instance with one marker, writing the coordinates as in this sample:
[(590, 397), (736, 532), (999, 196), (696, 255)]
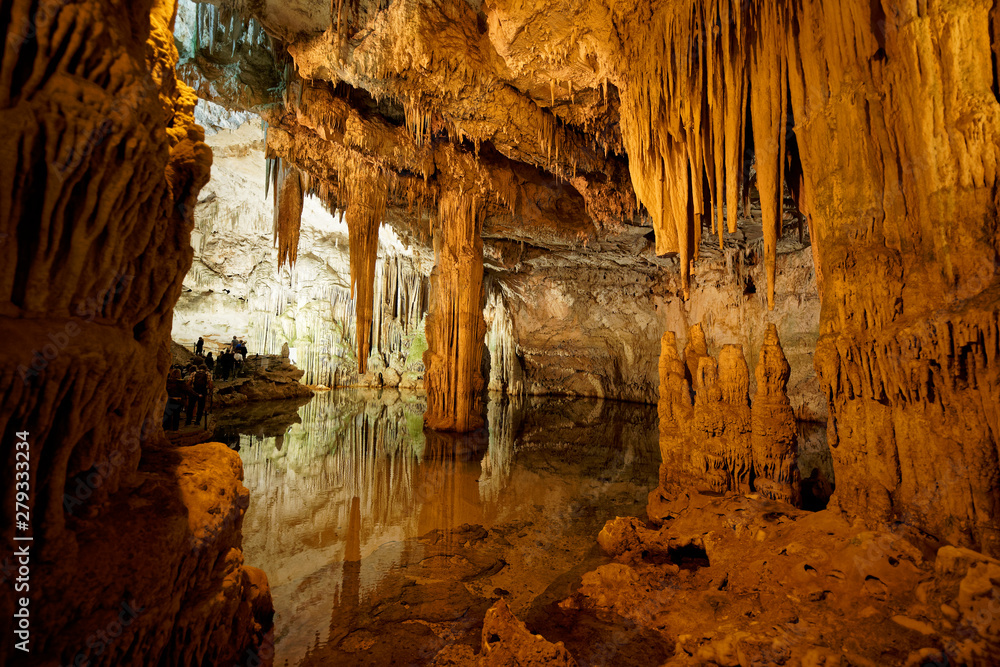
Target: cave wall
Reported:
[(899, 125), (102, 164), (594, 329)]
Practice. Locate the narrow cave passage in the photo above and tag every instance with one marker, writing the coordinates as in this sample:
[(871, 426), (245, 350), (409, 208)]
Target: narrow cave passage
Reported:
[(490, 333)]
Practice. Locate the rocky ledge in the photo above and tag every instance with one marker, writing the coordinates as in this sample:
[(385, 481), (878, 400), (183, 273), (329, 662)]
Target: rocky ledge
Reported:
[(738, 580), (182, 514), (263, 378)]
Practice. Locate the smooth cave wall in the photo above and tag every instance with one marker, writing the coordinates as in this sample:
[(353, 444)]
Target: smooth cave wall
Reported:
[(100, 167)]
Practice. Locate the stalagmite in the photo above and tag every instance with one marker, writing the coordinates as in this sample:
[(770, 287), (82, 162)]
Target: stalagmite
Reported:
[(695, 349), (734, 385), (455, 326), (673, 389), (709, 425), (775, 438), (721, 442), (675, 412)]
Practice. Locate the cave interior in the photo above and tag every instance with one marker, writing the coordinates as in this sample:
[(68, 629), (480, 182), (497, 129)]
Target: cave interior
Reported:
[(579, 332)]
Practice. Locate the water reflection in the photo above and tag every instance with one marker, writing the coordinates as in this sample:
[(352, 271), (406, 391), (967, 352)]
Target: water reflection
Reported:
[(338, 500)]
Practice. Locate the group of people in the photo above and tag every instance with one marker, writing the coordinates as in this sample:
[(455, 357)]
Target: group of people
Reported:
[(229, 363), (189, 389), (190, 386)]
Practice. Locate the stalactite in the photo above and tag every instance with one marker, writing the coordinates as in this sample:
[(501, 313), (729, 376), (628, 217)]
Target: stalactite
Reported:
[(768, 104), (696, 58), (418, 120), (455, 325), (506, 373), (288, 214)]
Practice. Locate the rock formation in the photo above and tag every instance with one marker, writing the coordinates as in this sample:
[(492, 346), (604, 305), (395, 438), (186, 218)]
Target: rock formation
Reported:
[(695, 350), (237, 287), (455, 325), (617, 143), (734, 383), (581, 120), (773, 440), (102, 167), (723, 443)]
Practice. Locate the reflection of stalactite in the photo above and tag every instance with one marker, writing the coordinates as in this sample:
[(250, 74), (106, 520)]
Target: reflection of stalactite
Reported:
[(455, 325), (363, 448), (503, 420)]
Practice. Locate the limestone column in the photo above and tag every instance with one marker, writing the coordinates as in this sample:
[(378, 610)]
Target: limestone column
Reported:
[(456, 329)]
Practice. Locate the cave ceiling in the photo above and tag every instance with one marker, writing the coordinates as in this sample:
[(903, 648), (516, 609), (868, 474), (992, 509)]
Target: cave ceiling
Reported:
[(518, 104)]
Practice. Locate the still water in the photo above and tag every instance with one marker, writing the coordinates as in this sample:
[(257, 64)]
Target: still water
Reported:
[(383, 544)]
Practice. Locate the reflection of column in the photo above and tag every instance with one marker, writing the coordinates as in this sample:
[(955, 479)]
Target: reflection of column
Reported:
[(345, 609), (352, 557), (448, 477), (504, 415), (455, 326)]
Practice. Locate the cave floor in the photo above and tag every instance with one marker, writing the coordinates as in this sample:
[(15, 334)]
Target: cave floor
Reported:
[(385, 545)]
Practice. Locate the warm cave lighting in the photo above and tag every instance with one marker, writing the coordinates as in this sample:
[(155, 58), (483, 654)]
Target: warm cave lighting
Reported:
[(490, 333)]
